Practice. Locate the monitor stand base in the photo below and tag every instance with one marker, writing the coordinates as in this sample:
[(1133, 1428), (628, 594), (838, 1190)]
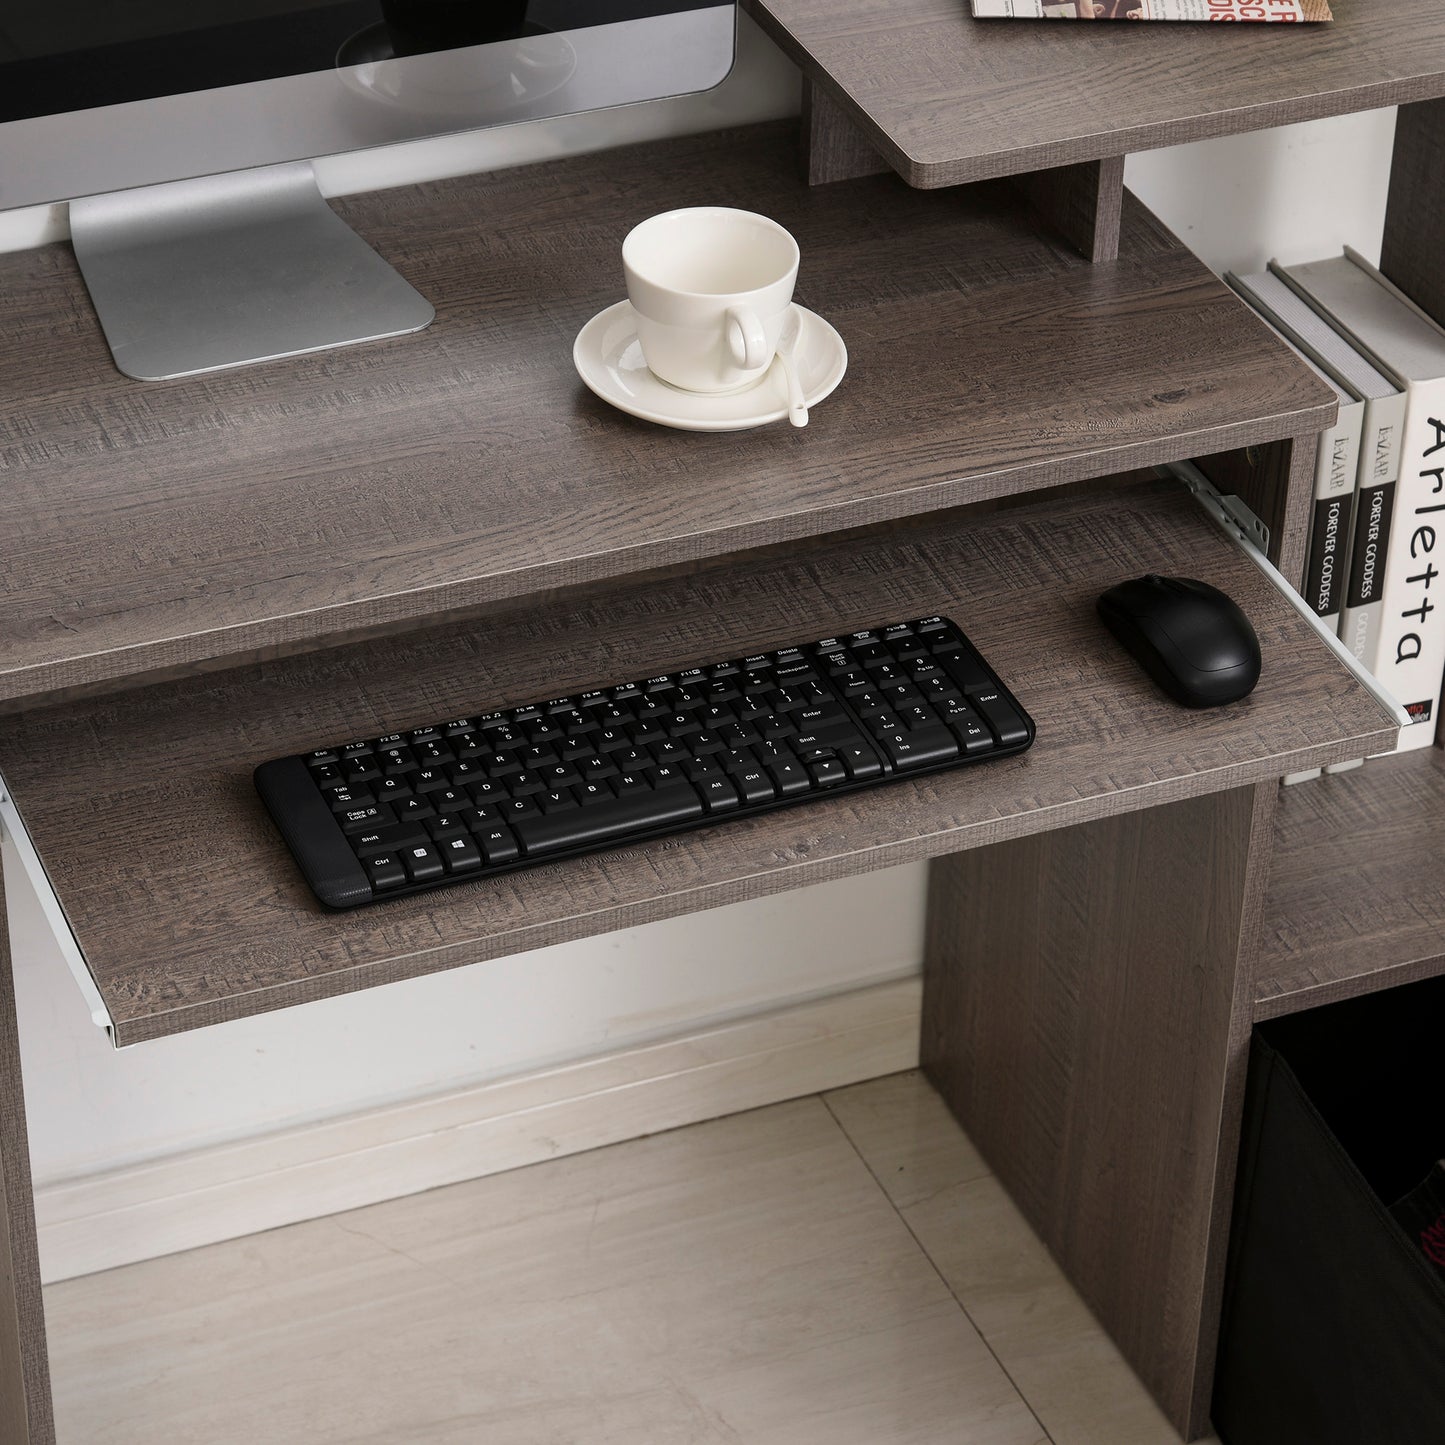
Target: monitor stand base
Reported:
[(228, 270)]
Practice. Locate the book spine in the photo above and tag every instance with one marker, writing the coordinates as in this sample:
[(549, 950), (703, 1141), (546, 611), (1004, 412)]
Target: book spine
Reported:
[(1336, 469), (1412, 642), (1362, 620)]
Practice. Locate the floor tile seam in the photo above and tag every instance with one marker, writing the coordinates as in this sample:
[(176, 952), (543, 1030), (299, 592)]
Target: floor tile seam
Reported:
[(1044, 1437)]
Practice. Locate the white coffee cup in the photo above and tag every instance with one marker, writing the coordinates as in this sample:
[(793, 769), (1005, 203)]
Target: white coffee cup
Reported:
[(710, 287)]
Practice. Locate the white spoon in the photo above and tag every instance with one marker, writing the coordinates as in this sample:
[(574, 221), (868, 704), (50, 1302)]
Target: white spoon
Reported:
[(797, 405)]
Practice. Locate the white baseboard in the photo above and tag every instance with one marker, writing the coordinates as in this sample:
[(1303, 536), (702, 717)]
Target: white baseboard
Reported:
[(242, 1188)]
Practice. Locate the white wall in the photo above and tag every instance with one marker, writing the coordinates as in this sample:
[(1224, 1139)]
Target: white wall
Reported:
[(1298, 193), (1295, 193)]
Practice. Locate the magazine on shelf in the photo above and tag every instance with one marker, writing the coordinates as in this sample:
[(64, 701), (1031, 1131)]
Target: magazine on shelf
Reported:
[(1400, 339), (1265, 10)]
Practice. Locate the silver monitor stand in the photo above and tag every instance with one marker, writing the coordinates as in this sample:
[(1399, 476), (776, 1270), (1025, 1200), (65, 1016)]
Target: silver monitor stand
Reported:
[(197, 275)]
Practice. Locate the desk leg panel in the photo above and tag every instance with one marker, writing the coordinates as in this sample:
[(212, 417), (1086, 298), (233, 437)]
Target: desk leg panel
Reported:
[(834, 149), (1410, 253), (1086, 1016), (26, 1416), (1084, 203)]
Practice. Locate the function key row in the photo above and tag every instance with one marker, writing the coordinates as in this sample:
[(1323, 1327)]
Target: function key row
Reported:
[(716, 685)]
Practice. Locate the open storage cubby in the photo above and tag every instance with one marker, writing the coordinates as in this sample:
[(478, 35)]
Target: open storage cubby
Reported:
[(1356, 897), (201, 574)]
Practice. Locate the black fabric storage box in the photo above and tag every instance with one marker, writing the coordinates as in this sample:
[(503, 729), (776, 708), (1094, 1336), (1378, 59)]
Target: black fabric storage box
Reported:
[(1334, 1320)]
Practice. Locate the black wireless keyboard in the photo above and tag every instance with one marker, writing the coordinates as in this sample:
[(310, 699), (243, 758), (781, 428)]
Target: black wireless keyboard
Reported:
[(479, 796)]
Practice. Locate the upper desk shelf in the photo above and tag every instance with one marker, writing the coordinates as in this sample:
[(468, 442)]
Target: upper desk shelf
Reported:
[(156, 528), (947, 99)]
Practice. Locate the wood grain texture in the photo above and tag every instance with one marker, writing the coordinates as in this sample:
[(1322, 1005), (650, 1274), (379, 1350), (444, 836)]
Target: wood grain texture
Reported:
[(1087, 1007), (190, 911), (947, 99), (158, 527), (26, 1416), (833, 148), (1357, 898), (1410, 252), (1084, 203), (1276, 482)]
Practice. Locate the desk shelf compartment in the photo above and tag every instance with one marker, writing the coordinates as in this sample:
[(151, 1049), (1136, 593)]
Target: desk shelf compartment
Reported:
[(190, 911), (1356, 898), (152, 530)]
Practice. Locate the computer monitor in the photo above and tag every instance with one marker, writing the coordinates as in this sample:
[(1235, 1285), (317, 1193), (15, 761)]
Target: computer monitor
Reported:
[(182, 131)]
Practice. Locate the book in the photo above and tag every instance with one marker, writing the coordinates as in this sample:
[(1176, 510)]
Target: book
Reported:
[(1401, 340), (1337, 471), (1362, 613), (1264, 10), (1337, 465)]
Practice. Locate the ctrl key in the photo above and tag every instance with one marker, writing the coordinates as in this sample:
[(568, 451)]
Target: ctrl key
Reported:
[(385, 871)]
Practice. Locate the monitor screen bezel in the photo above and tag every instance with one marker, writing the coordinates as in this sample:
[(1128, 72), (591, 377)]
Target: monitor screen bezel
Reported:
[(99, 150)]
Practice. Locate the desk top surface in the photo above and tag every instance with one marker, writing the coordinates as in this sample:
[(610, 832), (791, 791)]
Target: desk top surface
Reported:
[(154, 529), (189, 910), (947, 98)]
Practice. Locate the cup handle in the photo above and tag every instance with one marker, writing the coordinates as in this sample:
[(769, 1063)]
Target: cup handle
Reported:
[(746, 342)]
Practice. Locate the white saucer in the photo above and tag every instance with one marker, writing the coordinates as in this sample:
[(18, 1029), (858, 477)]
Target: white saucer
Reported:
[(608, 358)]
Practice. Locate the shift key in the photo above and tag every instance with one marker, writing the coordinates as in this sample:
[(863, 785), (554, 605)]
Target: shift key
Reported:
[(389, 839)]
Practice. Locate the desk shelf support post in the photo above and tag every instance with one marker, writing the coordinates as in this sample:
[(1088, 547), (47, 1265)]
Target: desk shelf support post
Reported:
[(1410, 254), (833, 147), (1088, 999), (1084, 202), (26, 1413)]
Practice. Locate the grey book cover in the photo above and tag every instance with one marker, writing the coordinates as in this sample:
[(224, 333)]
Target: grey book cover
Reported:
[(1382, 432), (1336, 463)]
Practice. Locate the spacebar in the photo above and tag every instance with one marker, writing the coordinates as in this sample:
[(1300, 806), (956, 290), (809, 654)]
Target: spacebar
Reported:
[(604, 822)]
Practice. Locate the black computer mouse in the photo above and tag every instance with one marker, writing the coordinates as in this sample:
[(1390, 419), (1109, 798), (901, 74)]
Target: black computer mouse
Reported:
[(1188, 636)]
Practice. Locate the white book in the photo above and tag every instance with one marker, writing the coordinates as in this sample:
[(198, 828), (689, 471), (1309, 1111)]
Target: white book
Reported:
[(1401, 340)]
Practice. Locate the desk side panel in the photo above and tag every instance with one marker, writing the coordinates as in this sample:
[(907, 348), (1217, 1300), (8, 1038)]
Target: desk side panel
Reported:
[(26, 1414), (1087, 1011)]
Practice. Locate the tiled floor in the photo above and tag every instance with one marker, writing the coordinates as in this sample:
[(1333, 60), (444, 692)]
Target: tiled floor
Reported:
[(836, 1271)]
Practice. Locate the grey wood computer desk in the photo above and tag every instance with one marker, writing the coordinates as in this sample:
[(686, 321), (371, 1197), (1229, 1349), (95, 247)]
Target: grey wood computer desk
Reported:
[(202, 574)]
